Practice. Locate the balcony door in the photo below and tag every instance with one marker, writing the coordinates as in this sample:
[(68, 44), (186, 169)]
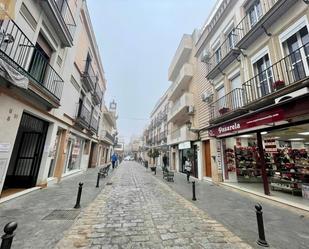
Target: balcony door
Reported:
[(40, 59), (264, 76), (254, 13), (237, 95), (297, 48)]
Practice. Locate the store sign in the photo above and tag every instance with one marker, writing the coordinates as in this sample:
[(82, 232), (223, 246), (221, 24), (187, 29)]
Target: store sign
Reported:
[(185, 145), (246, 123)]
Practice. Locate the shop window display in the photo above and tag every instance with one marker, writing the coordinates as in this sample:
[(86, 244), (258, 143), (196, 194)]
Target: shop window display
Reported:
[(286, 154), (292, 170)]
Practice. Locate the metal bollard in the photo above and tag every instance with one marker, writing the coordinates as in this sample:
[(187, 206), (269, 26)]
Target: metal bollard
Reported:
[(193, 191), (8, 236), (259, 217), (98, 180), (155, 170), (79, 194)]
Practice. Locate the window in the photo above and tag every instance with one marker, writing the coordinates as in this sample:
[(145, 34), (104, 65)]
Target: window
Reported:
[(237, 96), (297, 49), (264, 76), (221, 101), (40, 59), (218, 55), (254, 13), (220, 92), (236, 82), (231, 39)]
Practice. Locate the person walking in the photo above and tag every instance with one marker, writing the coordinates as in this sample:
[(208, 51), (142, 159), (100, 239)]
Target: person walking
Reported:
[(114, 160), (188, 168), (164, 159)]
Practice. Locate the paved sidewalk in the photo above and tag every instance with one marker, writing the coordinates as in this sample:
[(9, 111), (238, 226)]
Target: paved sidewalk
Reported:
[(285, 227), (30, 209), (139, 211)]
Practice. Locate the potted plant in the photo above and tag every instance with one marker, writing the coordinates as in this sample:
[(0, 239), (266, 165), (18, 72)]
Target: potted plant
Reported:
[(277, 85), (224, 110), (153, 153)]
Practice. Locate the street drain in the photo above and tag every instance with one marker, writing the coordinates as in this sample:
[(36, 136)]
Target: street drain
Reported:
[(109, 183), (69, 214)]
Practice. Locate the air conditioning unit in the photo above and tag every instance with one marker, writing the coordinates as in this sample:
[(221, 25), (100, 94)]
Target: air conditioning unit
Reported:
[(207, 97), (294, 94), (190, 109), (205, 56)]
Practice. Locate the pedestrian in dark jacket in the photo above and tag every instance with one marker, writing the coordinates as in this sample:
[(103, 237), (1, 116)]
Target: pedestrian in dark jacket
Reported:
[(164, 162), (114, 160)]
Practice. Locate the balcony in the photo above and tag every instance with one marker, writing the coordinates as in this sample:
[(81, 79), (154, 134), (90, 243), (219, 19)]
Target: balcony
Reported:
[(94, 124), (181, 135), (181, 82), (97, 94), (181, 57), (107, 137), (228, 53), (180, 108), (245, 33), (229, 104), (84, 116), (60, 14), (289, 74), (248, 29), (23, 57), (90, 78)]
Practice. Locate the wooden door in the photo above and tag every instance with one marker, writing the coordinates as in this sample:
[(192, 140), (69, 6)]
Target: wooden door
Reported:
[(207, 163)]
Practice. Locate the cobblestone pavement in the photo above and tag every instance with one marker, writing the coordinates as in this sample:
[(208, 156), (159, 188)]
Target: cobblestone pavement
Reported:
[(139, 211), (33, 232), (285, 227)]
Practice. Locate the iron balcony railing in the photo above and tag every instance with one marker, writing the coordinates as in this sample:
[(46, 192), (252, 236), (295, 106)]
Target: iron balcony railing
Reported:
[(227, 45), (109, 136), (67, 16), (84, 114), (237, 34), (230, 102), (98, 93), (94, 124), (90, 75), (250, 20), (289, 70), (17, 50)]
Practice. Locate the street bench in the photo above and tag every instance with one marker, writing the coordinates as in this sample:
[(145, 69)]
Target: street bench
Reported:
[(104, 171), (168, 175)]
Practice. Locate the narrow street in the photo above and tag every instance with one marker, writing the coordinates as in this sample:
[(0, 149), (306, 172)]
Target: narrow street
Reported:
[(136, 210)]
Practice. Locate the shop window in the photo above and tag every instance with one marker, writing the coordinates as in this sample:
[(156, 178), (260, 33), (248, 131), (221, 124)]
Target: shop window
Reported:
[(297, 49), (286, 155), (264, 76), (254, 13), (74, 153)]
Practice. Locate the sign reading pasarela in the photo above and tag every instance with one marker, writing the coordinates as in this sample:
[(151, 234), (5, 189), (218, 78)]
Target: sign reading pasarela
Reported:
[(248, 122)]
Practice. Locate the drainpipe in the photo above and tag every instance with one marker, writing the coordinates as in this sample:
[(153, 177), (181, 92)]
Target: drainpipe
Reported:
[(262, 163)]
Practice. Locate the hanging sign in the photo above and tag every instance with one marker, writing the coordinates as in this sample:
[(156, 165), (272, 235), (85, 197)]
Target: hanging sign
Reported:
[(246, 123), (185, 145)]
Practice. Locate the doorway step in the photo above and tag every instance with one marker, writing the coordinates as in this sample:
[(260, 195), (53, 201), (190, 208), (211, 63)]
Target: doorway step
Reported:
[(10, 194)]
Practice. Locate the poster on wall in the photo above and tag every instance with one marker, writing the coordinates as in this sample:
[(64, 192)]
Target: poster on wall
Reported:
[(219, 159)]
